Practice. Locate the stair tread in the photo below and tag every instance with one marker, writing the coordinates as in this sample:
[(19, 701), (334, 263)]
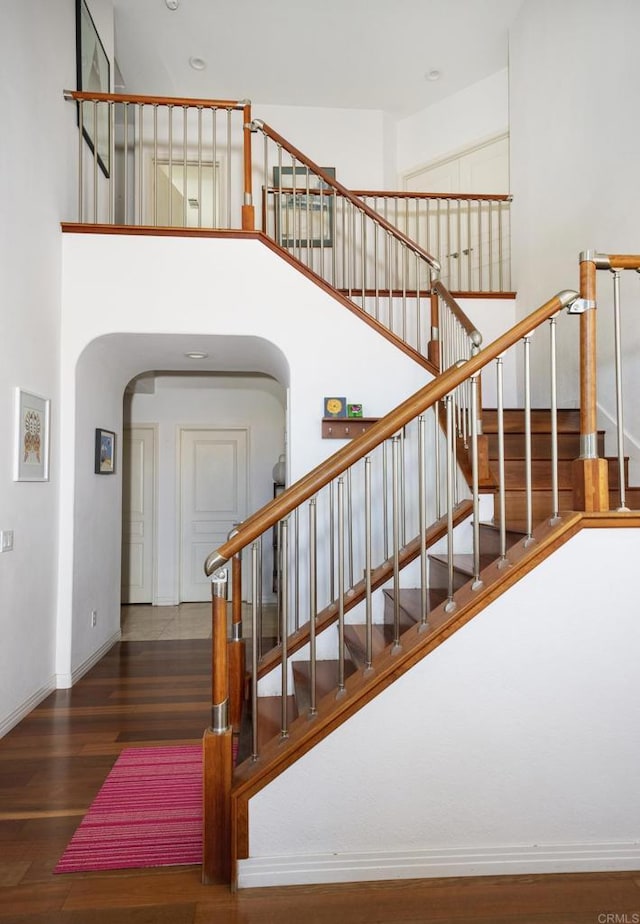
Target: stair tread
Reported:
[(410, 608), (355, 639), (463, 563), (327, 674)]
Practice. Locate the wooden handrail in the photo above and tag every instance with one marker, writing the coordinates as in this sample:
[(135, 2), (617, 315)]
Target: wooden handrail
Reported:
[(404, 194), (624, 261), (83, 96), (468, 326), (386, 427), (347, 194)]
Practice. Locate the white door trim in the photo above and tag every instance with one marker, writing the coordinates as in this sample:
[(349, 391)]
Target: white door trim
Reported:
[(154, 428)]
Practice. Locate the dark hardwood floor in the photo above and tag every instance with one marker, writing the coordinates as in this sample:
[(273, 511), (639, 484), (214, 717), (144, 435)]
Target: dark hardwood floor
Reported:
[(54, 762)]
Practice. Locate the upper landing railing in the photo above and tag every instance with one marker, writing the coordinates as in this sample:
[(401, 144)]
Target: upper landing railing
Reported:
[(190, 163)]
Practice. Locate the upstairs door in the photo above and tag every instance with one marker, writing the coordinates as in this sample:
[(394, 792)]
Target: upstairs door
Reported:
[(138, 477), (213, 499)]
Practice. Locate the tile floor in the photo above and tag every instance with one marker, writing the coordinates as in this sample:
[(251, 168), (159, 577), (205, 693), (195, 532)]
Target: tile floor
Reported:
[(143, 622)]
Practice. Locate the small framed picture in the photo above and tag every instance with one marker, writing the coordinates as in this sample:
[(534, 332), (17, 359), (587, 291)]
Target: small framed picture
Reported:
[(354, 410), (335, 407), (31, 452), (105, 463)]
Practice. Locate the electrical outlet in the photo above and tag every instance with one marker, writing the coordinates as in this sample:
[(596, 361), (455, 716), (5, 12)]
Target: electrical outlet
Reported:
[(6, 540), (94, 618)]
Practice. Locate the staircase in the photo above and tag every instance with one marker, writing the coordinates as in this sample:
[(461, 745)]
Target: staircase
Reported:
[(383, 634)]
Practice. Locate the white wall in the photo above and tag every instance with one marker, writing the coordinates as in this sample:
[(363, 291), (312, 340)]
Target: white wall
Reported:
[(474, 114), (37, 61), (485, 741), (575, 144), (350, 140), (166, 295), (259, 404)]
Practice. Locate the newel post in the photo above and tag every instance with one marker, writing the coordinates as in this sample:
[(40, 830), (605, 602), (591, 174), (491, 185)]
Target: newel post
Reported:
[(218, 748), (433, 348), (248, 212), (590, 474)]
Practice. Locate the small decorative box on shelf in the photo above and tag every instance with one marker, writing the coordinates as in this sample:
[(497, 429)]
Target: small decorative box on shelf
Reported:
[(345, 428)]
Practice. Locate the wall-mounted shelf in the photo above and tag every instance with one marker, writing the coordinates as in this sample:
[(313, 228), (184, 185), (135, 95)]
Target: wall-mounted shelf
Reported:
[(345, 428)]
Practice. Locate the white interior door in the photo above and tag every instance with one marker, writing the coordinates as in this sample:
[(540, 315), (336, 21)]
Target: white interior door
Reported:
[(138, 475), (213, 489)]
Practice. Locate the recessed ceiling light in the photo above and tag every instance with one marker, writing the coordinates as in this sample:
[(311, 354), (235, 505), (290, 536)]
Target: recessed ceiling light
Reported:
[(198, 64), (172, 4), (196, 354), (433, 74)]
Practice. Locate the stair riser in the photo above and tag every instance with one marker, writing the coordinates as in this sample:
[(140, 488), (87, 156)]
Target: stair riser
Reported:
[(515, 472), (568, 420), (439, 575), (514, 445), (541, 504)]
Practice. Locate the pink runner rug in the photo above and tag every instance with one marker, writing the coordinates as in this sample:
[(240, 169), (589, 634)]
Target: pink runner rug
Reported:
[(148, 813)]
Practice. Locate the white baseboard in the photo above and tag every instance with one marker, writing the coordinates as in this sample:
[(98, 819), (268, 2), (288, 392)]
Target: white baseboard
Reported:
[(430, 864), (25, 708), (65, 681), (165, 601)]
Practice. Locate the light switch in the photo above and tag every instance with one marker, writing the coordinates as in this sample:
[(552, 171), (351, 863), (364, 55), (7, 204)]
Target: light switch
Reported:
[(6, 540)]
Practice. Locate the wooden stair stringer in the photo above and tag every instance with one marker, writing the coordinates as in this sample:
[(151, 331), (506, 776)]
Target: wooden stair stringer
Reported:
[(379, 577), (361, 687)]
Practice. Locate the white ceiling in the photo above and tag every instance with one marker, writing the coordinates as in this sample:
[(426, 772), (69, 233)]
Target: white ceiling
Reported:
[(354, 54)]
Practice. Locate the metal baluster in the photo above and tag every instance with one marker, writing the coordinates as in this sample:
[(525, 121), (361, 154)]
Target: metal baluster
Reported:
[(450, 604), (214, 146), (140, 160), (229, 114), (112, 161), (459, 247), (296, 573), (155, 164), (170, 159), (367, 565), (403, 506), (313, 603), (260, 607), (501, 210), (200, 166), (475, 491), (501, 483), (363, 260), (185, 193), (490, 221), (618, 369), (255, 580), (334, 229), (555, 515), (395, 441), (422, 525), (284, 628), (527, 437), (469, 269), (341, 586), (350, 525), (80, 162), (332, 543), (438, 446), (419, 346), (385, 499), (479, 246), (376, 230), (95, 161)]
